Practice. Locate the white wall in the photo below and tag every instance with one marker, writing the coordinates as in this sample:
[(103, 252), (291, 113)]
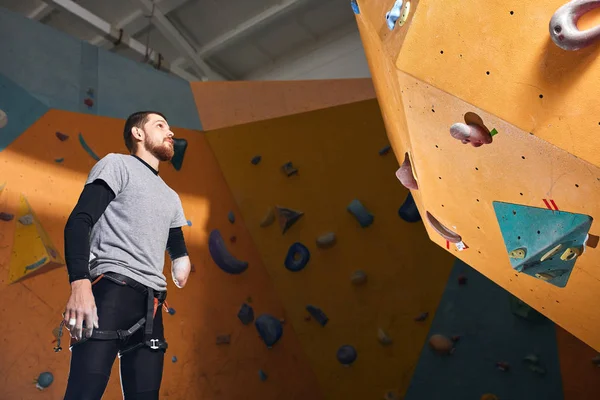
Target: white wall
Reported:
[(339, 55)]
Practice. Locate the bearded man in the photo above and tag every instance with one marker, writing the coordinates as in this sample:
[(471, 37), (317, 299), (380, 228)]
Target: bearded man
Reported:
[(115, 243)]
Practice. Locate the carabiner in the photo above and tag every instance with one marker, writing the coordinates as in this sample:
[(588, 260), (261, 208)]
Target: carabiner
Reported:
[(563, 25)]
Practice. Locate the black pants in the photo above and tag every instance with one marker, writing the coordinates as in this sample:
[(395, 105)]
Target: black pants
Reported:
[(119, 307)]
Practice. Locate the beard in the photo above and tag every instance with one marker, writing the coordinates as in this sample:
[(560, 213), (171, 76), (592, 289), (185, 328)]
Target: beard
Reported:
[(162, 151)]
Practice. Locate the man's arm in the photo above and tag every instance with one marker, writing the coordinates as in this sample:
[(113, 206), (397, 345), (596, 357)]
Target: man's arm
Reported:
[(91, 205), (180, 261)]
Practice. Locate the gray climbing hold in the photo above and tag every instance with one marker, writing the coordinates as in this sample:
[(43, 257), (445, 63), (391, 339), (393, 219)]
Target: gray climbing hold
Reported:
[(385, 150), (346, 355), (269, 218), (289, 169), (362, 215), (44, 380), (326, 240), (231, 217), (358, 277), (287, 218), (26, 219), (174, 359)]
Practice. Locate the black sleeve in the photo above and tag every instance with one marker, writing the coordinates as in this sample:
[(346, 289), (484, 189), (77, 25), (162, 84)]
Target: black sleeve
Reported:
[(93, 201), (176, 243)]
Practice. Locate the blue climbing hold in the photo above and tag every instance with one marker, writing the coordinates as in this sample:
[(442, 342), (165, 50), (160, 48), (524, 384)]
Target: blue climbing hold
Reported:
[(246, 314), (222, 257), (354, 5), (255, 160), (269, 328), (174, 359), (287, 218), (362, 215), (408, 211), (317, 314), (87, 148), (385, 150), (346, 355), (44, 380), (231, 217), (189, 223), (297, 257), (262, 375), (394, 14), (171, 311)]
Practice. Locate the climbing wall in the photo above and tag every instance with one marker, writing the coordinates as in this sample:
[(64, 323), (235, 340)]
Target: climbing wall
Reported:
[(494, 126)]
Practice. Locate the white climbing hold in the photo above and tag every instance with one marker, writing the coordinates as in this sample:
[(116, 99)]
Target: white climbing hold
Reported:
[(326, 240), (3, 119), (358, 277)]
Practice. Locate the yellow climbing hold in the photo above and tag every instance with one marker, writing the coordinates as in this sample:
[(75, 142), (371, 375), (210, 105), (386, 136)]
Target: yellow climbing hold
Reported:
[(33, 251)]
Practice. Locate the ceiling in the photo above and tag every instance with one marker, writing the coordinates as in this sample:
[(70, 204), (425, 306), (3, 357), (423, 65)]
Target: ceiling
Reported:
[(196, 39)]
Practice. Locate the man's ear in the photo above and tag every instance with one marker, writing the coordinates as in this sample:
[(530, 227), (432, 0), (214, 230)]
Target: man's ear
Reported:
[(136, 132)]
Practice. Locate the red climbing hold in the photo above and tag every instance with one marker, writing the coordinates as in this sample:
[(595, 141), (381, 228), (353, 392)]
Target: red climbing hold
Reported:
[(88, 102)]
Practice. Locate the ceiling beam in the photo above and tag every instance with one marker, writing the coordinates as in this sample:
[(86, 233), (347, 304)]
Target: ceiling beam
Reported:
[(245, 28), (40, 12), (166, 28), (106, 29)]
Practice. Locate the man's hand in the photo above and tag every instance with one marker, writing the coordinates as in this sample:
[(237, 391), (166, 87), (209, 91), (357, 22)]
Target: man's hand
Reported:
[(81, 307), (180, 270)]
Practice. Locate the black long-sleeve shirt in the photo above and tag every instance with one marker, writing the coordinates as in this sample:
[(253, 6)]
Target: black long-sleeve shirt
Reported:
[(94, 199)]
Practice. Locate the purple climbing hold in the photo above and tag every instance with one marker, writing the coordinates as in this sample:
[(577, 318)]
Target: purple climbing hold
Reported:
[(222, 257)]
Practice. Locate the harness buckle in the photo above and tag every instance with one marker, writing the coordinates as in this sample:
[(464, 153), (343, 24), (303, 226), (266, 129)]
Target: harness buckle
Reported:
[(154, 344)]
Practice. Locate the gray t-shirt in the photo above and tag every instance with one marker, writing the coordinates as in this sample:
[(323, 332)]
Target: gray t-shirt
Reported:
[(130, 238)]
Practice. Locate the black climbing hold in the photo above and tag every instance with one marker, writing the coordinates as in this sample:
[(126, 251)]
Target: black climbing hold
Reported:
[(246, 314), (408, 211), (297, 257), (287, 218), (255, 160), (6, 216), (346, 355), (179, 146), (385, 150), (362, 215), (269, 328), (289, 169), (231, 217), (222, 257), (317, 314), (44, 380), (61, 136)]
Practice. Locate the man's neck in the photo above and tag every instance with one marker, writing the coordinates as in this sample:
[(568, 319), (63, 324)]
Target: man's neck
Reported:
[(148, 158)]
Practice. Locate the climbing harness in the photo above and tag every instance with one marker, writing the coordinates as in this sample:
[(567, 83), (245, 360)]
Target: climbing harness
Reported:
[(154, 300), (563, 25)]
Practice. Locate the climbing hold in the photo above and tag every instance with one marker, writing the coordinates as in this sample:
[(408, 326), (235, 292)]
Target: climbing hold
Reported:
[(6, 216), (354, 5), (592, 241), (223, 339), (174, 359), (233, 239), (44, 380), (262, 375), (441, 344), (179, 147), (255, 160), (171, 311), (358, 277), (571, 253), (523, 310), (489, 396), (385, 150), (317, 314), (59, 160), (222, 257), (87, 148), (269, 218), (297, 257), (422, 317), (289, 169), (474, 134), (442, 230), (531, 359), (406, 175), (61, 136), (26, 219), (269, 328), (189, 223), (246, 314), (537, 369), (88, 102), (596, 360), (326, 240), (563, 25), (346, 355), (3, 119), (231, 217), (408, 211), (90, 92), (362, 215), (462, 280), (518, 253), (394, 14), (383, 338), (503, 366), (548, 276), (287, 218)]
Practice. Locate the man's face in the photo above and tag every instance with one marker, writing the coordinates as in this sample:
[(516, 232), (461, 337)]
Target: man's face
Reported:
[(159, 138)]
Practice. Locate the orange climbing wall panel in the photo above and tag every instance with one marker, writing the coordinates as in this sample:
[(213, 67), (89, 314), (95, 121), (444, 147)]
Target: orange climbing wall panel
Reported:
[(336, 151), (580, 377), (205, 308), (223, 104), (438, 75)]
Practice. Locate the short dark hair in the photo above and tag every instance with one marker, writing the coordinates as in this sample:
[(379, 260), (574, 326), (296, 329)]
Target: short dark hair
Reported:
[(137, 119)]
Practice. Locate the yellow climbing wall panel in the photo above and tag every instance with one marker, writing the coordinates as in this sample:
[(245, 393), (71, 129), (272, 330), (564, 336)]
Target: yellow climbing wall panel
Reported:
[(495, 59), (33, 251)]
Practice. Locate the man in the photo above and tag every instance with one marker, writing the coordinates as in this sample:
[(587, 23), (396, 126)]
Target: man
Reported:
[(115, 242)]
